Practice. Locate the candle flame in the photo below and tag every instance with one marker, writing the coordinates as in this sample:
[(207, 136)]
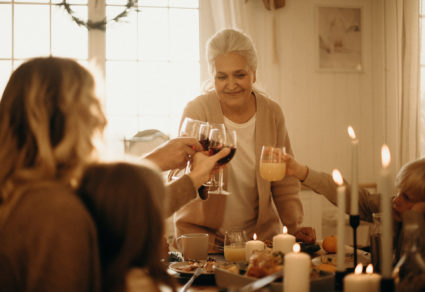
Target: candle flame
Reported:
[(255, 236), (351, 132), (337, 177), (296, 248), (369, 269), (285, 230), (385, 156), (359, 269)]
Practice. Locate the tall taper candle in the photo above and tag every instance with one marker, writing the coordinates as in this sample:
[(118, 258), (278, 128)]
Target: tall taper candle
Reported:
[(354, 210), (340, 252), (387, 238)]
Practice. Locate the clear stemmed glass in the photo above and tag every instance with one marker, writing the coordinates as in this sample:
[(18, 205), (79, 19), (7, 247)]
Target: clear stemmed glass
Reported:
[(204, 140), (272, 165), (218, 139), (191, 128)]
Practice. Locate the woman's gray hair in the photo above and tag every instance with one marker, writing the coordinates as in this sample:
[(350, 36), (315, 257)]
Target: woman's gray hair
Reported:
[(231, 40)]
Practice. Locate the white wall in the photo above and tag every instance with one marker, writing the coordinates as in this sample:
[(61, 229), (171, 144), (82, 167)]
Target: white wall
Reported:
[(319, 106)]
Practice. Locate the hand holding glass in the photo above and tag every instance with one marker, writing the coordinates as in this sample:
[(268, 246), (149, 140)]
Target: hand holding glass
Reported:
[(272, 166)]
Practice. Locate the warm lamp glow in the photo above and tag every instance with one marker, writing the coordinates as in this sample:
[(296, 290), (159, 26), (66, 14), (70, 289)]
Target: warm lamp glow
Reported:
[(285, 230), (351, 132), (255, 236), (369, 269), (385, 156), (296, 248), (337, 177), (359, 269)]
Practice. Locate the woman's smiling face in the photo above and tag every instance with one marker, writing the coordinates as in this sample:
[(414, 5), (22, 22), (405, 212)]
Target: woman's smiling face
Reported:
[(233, 79)]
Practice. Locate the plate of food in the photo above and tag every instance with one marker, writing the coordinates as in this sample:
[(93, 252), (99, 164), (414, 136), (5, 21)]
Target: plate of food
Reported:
[(326, 256), (189, 267), (265, 263)]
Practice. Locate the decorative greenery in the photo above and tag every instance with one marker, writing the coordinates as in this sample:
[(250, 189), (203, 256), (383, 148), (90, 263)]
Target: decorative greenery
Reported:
[(100, 25)]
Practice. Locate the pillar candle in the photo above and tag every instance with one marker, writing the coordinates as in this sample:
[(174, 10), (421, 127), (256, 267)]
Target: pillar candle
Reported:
[(354, 210), (360, 282), (387, 237), (252, 245), (296, 271), (340, 252), (283, 242)]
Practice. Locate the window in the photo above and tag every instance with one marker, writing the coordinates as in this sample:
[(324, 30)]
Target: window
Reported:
[(151, 56)]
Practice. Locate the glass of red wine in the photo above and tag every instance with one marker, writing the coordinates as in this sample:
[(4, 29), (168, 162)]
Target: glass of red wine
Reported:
[(218, 139), (203, 138), (189, 128)]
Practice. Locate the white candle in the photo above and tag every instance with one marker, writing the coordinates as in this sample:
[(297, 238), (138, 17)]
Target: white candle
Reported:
[(252, 245), (360, 282), (387, 238), (340, 252), (354, 210), (296, 271), (283, 242)]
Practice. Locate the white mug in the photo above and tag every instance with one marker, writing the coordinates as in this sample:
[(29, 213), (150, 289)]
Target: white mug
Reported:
[(193, 246)]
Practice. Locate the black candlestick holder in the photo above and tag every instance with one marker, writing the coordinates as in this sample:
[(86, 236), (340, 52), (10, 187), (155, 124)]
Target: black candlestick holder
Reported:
[(339, 280), (355, 222), (387, 284)]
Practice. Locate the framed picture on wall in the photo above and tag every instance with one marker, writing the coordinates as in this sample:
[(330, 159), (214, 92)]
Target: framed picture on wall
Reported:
[(339, 38)]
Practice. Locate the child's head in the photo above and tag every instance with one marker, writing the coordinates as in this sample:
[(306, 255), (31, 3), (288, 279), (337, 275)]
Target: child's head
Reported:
[(124, 200), (410, 183)]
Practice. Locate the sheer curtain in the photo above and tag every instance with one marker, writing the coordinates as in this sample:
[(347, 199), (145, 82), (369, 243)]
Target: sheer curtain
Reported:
[(410, 105)]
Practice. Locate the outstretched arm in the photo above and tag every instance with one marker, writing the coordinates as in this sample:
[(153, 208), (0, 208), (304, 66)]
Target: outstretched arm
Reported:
[(174, 153)]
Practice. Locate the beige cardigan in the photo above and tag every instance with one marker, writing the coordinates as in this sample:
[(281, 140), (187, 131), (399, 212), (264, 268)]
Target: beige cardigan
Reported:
[(270, 129)]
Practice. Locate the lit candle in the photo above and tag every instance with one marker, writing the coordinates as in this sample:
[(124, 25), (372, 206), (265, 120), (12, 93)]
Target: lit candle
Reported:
[(296, 271), (340, 252), (387, 238), (360, 282), (283, 242), (354, 210), (252, 245)]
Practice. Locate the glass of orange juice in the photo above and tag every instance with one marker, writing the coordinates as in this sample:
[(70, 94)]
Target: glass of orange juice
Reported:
[(234, 245), (272, 166)]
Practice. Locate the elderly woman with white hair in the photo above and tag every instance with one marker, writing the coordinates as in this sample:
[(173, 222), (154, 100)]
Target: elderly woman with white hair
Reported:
[(255, 205)]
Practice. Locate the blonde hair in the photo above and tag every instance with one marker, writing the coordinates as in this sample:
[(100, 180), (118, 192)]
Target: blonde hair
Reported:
[(49, 115), (411, 179)]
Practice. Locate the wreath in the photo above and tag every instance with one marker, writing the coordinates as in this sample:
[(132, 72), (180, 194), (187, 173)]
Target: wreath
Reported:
[(101, 24)]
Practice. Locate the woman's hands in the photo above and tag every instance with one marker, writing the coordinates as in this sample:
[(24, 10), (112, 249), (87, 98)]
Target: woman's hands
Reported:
[(174, 153), (293, 168), (203, 165)]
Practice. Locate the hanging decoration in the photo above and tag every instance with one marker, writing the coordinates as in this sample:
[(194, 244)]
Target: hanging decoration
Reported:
[(101, 24)]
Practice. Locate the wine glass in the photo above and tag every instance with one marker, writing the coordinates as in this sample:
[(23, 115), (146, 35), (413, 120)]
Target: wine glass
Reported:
[(234, 245), (204, 141), (218, 139), (191, 128), (272, 166)]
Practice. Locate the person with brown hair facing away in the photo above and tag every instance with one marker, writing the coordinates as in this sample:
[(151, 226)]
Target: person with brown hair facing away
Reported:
[(49, 118), (49, 115)]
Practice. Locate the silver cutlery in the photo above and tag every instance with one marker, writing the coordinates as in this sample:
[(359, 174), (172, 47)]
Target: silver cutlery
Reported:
[(260, 283), (189, 283)]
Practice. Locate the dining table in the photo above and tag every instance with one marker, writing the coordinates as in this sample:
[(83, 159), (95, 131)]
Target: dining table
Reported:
[(207, 282)]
